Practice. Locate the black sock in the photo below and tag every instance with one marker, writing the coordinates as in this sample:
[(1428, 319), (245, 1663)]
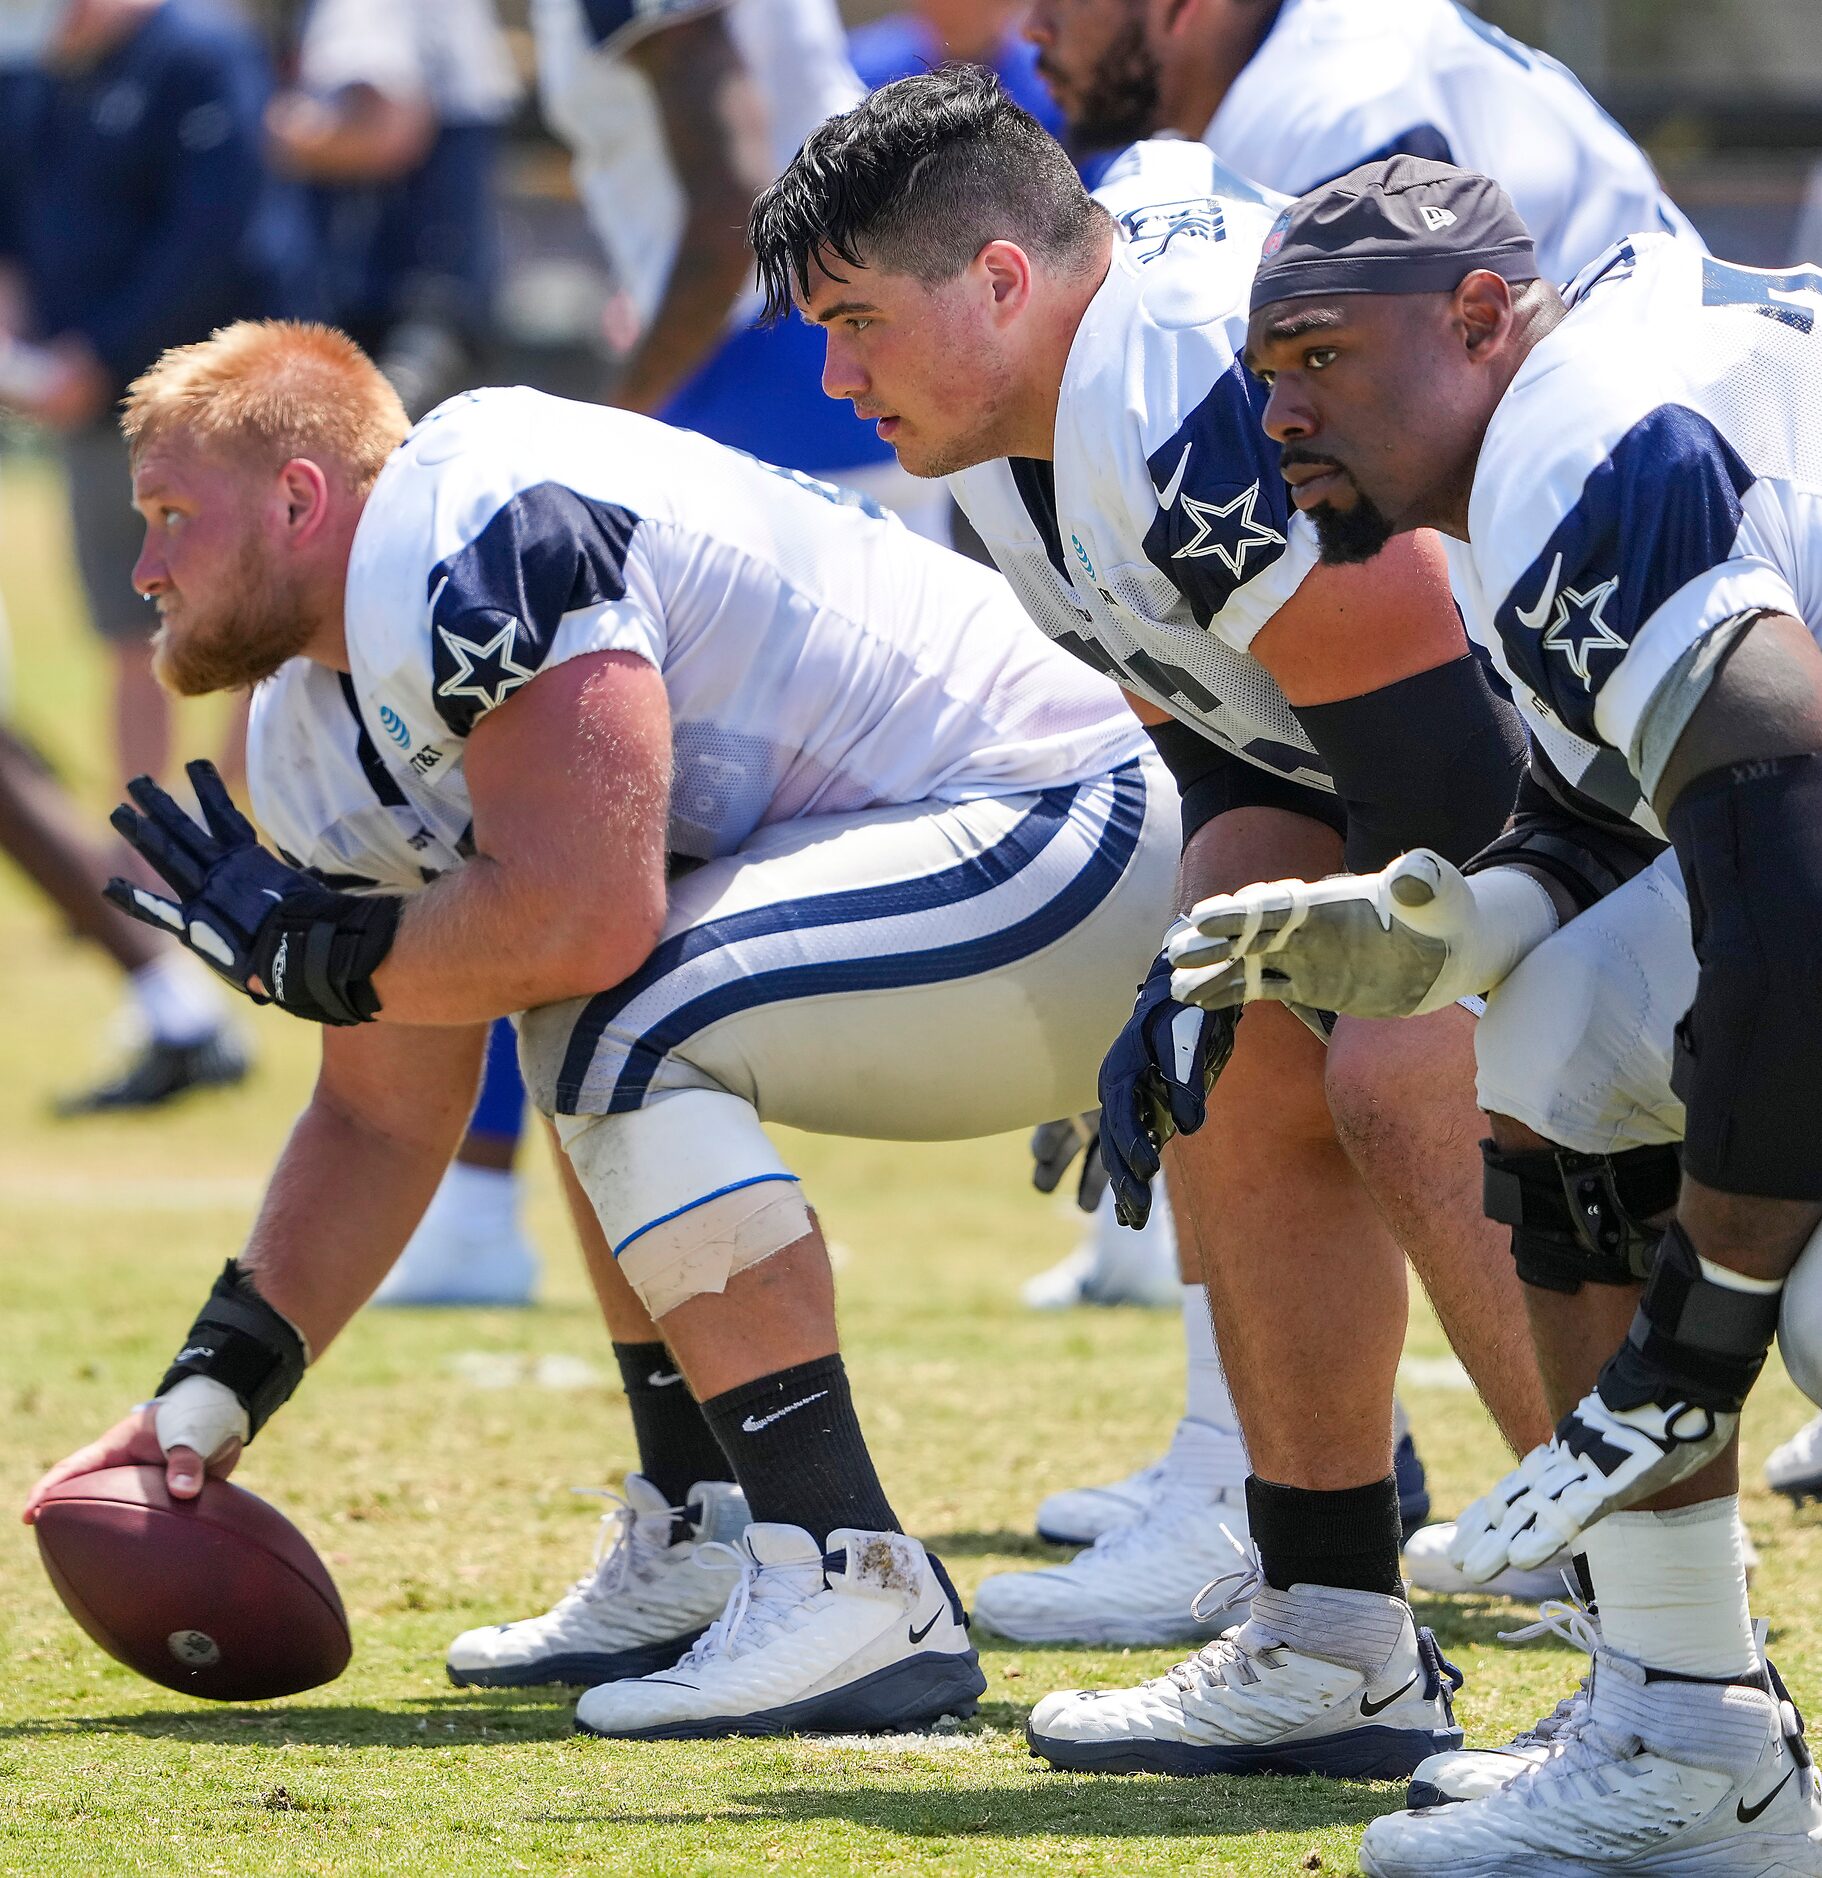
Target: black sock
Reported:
[(1348, 1538), (677, 1447), (798, 1452)]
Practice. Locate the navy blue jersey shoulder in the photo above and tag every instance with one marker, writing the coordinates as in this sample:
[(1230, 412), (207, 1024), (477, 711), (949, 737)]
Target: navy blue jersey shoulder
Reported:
[(1663, 509), (1416, 140), (495, 606), (1223, 506), (612, 19)]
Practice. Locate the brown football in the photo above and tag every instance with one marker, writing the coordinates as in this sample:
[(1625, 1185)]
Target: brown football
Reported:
[(220, 1596)]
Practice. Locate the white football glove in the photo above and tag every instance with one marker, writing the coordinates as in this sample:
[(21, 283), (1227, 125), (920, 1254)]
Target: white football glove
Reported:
[(1413, 938)]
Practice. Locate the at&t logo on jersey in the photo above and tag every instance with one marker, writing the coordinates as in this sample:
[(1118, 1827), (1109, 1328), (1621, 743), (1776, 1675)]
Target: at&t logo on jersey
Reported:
[(394, 727)]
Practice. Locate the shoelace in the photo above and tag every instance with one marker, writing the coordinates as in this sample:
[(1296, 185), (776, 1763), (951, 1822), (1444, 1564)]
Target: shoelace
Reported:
[(618, 1547), (1225, 1658), (758, 1617), (1570, 1621)]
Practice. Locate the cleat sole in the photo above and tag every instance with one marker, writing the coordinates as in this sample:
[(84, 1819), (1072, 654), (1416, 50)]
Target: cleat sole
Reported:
[(579, 1669), (1359, 1754)]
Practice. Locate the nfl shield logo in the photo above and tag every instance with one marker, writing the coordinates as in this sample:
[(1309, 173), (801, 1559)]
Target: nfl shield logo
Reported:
[(1275, 239)]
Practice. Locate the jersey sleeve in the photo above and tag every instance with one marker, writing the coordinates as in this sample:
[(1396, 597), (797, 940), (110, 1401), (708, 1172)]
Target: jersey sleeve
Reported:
[(550, 576), (614, 25), (1658, 545)]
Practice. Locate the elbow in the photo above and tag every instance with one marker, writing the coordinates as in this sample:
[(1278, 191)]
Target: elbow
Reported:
[(594, 947)]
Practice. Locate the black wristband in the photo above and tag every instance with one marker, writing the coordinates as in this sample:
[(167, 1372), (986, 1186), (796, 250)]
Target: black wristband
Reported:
[(240, 1341), (317, 951)]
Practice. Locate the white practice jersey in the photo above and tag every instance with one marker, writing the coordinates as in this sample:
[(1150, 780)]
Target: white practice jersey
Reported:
[(603, 107), (1338, 83), (818, 657), (1654, 471), (1162, 538)]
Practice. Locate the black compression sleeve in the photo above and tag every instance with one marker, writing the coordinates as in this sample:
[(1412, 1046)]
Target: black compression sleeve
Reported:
[(1430, 762)]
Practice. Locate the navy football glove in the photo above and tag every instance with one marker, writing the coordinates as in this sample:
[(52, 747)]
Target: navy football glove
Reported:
[(1055, 1144), (248, 914), (1155, 1083)]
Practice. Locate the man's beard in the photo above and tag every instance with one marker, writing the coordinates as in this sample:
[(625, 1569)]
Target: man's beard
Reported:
[(1118, 103), (255, 631), (1344, 536)]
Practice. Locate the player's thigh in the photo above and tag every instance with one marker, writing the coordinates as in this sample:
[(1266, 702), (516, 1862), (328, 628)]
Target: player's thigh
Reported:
[(1578, 1042), (930, 972)]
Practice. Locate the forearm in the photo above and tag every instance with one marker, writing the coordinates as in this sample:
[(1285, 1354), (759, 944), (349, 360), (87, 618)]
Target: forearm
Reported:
[(316, 1259), (698, 300), (488, 940)]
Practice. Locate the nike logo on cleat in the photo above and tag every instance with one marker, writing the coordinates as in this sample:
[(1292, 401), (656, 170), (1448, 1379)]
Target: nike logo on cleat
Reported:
[(917, 1636), (754, 1423), (1747, 1814), (1369, 1707)]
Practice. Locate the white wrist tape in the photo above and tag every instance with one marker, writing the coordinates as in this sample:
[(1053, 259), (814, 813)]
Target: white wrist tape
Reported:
[(1489, 923), (200, 1413)]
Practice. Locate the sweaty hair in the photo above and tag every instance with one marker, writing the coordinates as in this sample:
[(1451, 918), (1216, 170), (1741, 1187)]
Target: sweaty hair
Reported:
[(921, 175), (270, 390)]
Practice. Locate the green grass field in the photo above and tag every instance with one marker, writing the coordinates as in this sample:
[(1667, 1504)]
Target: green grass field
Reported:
[(430, 1459)]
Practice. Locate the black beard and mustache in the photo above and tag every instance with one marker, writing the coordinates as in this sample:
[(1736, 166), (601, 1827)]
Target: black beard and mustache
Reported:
[(1119, 104), (1344, 536)]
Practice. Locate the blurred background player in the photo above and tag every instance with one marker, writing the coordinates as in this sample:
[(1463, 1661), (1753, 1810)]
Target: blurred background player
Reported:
[(395, 121), (134, 211), (1291, 95), (678, 116), (929, 33)]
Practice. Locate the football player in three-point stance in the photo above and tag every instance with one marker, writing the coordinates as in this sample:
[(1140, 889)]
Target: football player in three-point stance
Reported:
[(1290, 95), (1635, 476), (1077, 374), (520, 665)]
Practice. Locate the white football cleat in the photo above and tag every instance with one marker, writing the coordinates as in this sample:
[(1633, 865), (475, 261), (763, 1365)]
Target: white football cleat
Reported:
[(1428, 1567), (1113, 1264), (1473, 1773), (868, 1637), (469, 1248), (1316, 1681), (1662, 1776), (1139, 1583), (1600, 1460), (1199, 1454), (1795, 1468), (645, 1600)]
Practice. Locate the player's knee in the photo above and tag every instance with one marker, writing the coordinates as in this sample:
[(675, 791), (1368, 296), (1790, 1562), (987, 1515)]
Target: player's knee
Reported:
[(1273, 1084), (1401, 1087), (689, 1191)]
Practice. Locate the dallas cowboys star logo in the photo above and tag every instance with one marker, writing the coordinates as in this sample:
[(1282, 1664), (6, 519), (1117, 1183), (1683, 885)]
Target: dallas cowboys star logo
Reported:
[(485, 669), (1234, 543), (1578, 621)]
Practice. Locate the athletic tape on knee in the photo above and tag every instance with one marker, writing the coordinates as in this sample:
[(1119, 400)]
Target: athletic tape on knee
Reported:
[(688, 1190), (698, 1250)]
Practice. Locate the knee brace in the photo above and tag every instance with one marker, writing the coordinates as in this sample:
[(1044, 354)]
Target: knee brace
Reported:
[(1748, 1068), (689, 1191), (1580, 1218)]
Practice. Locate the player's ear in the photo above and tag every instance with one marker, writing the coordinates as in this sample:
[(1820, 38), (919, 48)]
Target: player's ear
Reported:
[(1005, 267), (305, 490), (1482, 311)]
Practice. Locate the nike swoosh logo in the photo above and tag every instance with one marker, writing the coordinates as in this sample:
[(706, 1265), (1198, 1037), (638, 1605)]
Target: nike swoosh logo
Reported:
[(1168, 494), (754, 1423), (659, 1379), (1545, 601), (1369, 1707), (917, 1636), (1748, 1814)]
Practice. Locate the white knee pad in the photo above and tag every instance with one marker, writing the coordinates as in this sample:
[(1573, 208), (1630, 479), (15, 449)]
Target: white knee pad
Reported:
[(689, 1190), (1800, 1320)]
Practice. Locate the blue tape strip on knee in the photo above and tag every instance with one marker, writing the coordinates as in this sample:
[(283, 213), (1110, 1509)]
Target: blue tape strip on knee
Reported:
[(677, 1212)]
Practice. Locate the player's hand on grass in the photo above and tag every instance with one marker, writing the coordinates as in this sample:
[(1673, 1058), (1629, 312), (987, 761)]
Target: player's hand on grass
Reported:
[(133, 1442), (1372, 945), (268, 928), (1154, 1084), (1055, 1145)]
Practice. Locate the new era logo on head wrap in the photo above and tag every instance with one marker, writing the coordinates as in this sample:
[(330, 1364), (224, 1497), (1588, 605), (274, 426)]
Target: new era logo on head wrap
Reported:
[(1434, 218)]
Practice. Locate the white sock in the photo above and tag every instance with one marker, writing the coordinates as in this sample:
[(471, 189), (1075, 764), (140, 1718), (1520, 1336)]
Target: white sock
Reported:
[(176, 999), (1207, 1399), (1672, 1588), (485, 1198)]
